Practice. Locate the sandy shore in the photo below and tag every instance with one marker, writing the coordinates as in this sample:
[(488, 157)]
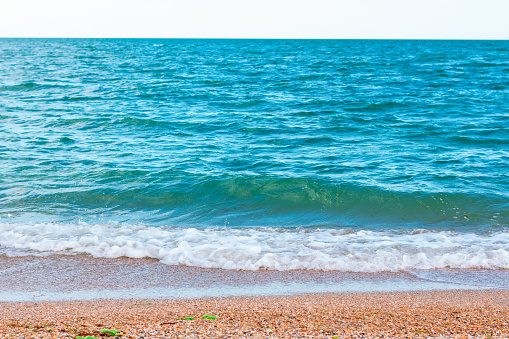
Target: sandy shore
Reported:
[(449, 314)]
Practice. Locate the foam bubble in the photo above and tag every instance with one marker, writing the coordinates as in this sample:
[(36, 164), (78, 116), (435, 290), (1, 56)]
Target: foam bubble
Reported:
[(263, 248)]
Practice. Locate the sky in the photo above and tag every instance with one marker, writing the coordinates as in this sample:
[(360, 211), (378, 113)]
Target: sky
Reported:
[(332, 19)]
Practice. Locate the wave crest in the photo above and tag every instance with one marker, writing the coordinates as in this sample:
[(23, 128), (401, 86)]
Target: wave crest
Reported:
[(263, 248)]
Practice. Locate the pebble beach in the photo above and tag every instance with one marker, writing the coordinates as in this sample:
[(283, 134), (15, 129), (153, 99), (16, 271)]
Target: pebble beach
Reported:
[(424, 314)]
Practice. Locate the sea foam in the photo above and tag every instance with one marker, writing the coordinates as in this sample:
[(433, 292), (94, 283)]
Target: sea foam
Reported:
[(344, 250)]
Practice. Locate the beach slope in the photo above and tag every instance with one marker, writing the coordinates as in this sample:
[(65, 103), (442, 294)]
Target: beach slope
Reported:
[(443, 314)]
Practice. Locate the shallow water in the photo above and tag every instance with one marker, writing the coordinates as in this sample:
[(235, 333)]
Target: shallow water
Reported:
[(85, 278)]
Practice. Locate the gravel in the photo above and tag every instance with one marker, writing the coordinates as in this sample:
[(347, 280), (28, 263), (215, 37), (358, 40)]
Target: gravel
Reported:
[(439, 314)]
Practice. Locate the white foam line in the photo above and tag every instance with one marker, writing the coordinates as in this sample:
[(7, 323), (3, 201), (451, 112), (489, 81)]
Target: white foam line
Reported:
[(263, 248)]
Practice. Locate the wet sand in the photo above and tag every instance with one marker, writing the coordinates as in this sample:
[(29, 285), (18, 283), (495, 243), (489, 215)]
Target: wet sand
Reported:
[(57, 278), (442, 314)]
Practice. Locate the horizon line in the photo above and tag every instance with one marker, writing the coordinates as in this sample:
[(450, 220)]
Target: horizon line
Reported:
[(248, 38)]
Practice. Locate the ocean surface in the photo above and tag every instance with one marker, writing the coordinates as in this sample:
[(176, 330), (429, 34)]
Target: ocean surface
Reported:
[(335, 155)]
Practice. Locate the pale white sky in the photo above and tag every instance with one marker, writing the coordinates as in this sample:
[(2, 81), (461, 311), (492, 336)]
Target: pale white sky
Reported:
[(354, 19)]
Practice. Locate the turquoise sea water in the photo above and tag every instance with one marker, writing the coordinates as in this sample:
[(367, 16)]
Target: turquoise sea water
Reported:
[(349, 155)]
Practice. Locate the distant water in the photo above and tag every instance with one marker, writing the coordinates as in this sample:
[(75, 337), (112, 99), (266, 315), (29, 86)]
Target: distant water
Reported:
[(349, 155)]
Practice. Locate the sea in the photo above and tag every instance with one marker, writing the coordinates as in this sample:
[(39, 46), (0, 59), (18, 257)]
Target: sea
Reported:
[(339, 156)]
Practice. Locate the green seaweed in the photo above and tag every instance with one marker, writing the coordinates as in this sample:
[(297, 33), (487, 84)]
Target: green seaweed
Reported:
[(110, 333), (185, 318), (207, 316)]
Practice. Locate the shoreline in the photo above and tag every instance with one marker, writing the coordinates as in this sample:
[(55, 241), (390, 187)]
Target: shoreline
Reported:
[(82, 277), (441, 314)]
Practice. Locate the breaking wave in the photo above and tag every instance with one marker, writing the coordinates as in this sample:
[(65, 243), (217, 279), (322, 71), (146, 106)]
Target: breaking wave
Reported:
[(261, 248)]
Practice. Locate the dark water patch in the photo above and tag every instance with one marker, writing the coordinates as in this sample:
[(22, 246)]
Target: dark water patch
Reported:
[(440, 84), (260, 130), (318, 140), (496, 87), (66, 140), (81, 98), (480, 140), (40, 141), (142, 122), (21, 87), (306, 113)]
